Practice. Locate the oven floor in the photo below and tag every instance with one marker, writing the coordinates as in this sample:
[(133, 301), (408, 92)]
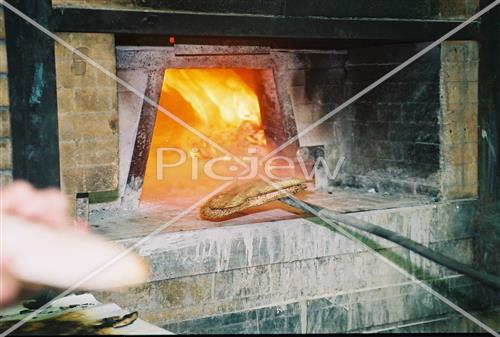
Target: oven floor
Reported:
[(124, 224)]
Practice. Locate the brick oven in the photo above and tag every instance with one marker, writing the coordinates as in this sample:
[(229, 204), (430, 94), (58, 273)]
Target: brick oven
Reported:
[(412, 155)]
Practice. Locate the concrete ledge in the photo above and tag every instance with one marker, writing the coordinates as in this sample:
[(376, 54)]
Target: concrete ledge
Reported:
[(296, 276), (181, 254)]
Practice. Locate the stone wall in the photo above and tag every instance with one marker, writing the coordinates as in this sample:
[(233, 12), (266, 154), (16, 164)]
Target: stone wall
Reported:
[(459, 119), (416, 133), (5, 141), (398, 138), (87, 112), (296, 276), (312, 84), (389, 136)]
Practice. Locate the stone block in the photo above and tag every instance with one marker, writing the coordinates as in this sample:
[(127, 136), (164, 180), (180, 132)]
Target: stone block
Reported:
[(61, 53), (106, 100), (469, 191), (425, 153), (452, 175), (242, 283), (104, 80), (5, 178), (471, 177), (461, 92), (407, 132), (5, 154), (65, 100), (452, 154), (86, 100), (2, 24), (384, 306), (167, 301), (237, 322), (72, 180), (67, 128), (470, 153), (471, 132), (389, 112), (99, 151), (101, 178), (3, 57), (188, 291), (460, 113), (451, 192), (70, 153), (4, 122), (377, 131), (452, 134), (459, 220), (4, 90), (103, 48), (459, 51), (419, 112), (364, 112), (460, 71)]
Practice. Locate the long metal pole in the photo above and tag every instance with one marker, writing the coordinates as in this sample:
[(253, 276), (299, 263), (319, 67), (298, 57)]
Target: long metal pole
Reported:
[(486, 278)]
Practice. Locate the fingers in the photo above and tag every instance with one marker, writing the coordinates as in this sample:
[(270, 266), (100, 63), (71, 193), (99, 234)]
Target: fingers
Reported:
[(48, 206), (9, 286)]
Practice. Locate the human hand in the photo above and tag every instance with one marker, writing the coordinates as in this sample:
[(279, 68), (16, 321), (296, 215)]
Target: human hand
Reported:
[(45, 206)]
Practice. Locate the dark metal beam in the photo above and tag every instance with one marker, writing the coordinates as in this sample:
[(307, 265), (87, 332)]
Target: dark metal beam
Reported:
[(488, 108), (256, 26), (32, 93), (487, 255), (496, 56)]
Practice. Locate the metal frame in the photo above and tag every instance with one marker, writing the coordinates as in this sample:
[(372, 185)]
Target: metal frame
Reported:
[(32, 93), (256, 26)]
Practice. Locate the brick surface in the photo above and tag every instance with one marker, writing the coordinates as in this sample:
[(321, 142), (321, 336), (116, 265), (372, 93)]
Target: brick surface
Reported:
[(297, 281), (5, 143), (459, 119), (5, 154), (87, 110), (5, 177), (3, 57), (4, 122), (2, 24), (4, 90), (395, 126)]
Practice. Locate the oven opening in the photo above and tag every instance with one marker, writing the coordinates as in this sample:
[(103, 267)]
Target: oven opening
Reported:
[(225, 112)]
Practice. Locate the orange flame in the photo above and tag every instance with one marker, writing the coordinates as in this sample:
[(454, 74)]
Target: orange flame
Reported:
[(220, 103)]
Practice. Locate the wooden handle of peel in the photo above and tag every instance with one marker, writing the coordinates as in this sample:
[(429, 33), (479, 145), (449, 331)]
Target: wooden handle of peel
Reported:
[(65, 259)]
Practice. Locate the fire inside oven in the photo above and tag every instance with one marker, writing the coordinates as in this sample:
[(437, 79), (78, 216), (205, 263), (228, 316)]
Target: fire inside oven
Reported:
[(222, 108)]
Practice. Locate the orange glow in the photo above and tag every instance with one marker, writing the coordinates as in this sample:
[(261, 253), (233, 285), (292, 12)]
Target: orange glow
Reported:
[(220, 103)]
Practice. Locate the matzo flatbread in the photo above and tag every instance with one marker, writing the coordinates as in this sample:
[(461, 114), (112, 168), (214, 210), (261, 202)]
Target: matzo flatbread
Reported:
[(249, 194)]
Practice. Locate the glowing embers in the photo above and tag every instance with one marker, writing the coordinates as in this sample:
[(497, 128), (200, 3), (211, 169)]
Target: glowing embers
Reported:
[(222, 104)]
